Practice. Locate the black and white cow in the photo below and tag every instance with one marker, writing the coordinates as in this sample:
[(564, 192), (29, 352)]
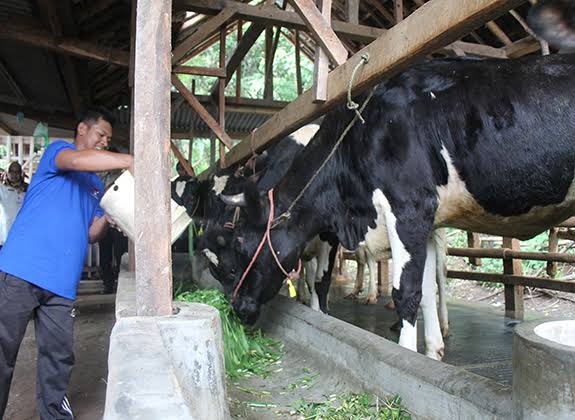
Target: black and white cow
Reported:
[(486, 146)]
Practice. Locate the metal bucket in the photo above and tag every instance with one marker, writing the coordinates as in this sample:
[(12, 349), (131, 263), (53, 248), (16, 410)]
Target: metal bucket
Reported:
[(118, 203)]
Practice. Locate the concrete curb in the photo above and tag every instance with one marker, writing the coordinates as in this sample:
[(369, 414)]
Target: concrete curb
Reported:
[(169, 367), (429, 389)]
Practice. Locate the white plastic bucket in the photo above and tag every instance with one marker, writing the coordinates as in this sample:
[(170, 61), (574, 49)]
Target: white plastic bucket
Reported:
[(118, 203)]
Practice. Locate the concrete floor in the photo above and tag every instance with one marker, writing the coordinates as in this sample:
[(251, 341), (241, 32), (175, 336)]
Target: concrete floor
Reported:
[(480, 339)]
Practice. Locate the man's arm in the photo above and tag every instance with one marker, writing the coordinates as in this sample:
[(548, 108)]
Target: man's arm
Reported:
[(93, 160), (98, 229)]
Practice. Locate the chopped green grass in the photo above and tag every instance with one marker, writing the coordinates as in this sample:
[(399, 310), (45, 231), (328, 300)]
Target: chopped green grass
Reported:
[(353, 407), (245, 352)]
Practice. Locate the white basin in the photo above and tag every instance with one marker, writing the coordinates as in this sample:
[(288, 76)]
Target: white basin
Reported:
[(562, 332)]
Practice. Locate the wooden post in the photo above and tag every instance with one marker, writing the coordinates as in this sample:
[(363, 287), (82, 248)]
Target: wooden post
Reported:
[(269, 77), (131, 246), (222, 95), (298, 64), (239, 70), (474, 242), (151, 156), (553, 244), (353, 11), (513, 294)]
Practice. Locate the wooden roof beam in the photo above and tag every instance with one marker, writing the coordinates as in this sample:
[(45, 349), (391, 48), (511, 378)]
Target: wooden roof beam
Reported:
[(205, 30), (321, 29), (202, 112), (93, 9), (68, 72), (271, 15), (41, 38), (7, 129), (451, 19), (14, 86)]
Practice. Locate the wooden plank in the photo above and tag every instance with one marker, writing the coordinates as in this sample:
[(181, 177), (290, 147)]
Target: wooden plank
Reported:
[(200, 71), (474, 242), (202, 33), (151, 148), (268, 67), (542, 283), (269, 15), (321, 29), (234, 62), (508, 254), (222, 96), (202, 112), (498, 32), (477, 49), (183, 161), (430, 27), (352, 9), (321, 62), (522, 47), (39, 37), (514, 303), (377, 4)]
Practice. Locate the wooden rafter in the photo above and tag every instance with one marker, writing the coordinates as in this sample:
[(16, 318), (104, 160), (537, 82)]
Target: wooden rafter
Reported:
[(14, 86), (207, 29), (522, 47), (49, 12), (321, 30), (94, 7), (321, 62), (7, 129), (38, 37), (451, 19), (185, 163), (352, 11), (496, 30), (269, 15), (202, 112), (200, 71)]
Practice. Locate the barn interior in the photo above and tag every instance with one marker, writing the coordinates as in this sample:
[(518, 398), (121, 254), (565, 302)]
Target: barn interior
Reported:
[(58, 58)]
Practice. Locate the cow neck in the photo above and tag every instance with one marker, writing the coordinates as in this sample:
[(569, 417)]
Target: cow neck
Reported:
[(266, 238), (287, 214)]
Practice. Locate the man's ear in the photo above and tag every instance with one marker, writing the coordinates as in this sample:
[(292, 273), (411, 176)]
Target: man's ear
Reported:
[(82, 128)]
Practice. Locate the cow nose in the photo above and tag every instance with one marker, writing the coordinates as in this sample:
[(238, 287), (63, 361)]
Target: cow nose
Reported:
[(247, 309)]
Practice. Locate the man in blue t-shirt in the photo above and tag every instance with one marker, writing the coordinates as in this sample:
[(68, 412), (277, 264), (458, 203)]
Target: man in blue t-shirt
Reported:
[(42, 258)]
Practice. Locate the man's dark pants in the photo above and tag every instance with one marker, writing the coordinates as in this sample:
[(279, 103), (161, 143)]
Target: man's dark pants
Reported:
[(54, 326)]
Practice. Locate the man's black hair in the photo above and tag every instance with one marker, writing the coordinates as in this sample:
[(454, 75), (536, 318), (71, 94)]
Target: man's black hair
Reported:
[(92, 115)]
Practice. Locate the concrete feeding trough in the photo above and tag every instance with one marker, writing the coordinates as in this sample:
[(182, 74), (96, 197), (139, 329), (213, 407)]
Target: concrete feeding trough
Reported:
[(544, 370)]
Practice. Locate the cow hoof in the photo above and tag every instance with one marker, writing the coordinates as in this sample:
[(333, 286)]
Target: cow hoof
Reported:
[(436, 354), (390, 305), (351, 296), (371, 300)]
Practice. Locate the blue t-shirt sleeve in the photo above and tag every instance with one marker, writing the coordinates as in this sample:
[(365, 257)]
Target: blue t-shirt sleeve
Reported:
[(52, 151)]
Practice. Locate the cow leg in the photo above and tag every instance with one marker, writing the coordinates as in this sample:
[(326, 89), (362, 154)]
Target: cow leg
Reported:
[(372, 295), (303, 282), (310, 281), (322, 287), (407, 239), (433, 339), (441, 270), (358, 281)]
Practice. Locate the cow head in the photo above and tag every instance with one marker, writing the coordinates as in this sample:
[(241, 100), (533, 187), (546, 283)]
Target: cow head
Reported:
[(230, 252)]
